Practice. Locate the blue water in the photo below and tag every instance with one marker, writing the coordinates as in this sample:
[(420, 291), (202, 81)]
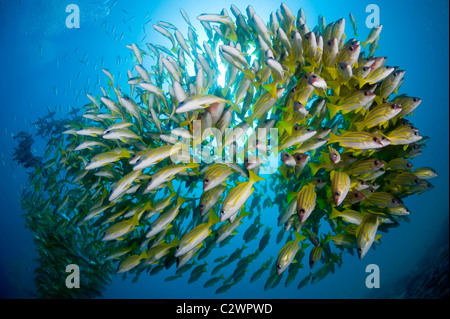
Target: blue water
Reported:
[(46, 65)]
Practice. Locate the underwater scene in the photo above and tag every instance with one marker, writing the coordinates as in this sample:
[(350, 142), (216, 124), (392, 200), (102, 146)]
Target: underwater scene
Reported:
[(219, 149)]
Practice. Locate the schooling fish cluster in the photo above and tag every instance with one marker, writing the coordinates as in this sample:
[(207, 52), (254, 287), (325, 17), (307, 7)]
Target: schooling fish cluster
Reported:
[(128, 170)]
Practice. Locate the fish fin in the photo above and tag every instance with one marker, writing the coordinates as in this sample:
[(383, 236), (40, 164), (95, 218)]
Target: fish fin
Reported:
[(314, 167), (333, 138), (249, 75), (254, 177), (333, 72), (335, 86), (334, 213), (271, 88), (333, 109), (359, 126), (299, 237), (286, 126), (361, 82), (213, 218), (364, 44), (378, 99)]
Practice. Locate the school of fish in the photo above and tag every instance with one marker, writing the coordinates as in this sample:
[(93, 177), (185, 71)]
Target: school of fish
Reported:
[(124, 171)]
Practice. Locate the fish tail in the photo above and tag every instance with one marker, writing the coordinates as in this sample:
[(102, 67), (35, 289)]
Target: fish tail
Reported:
[(333, 108), (333, 138), (335, 86), (180, 200), (213, 218), (271, 88), (361, 82), (314, 167), (254, 177), (364, 44), (286, 126), (378, 99), (332, 72), (359, 126), (334, 213), (299, 237)]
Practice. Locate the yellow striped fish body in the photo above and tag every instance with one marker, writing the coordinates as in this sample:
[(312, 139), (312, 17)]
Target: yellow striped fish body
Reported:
[(365, 234), (155, 155), (340, 185), (227, 228), (237, 196), (129, 263), (160, 205), (264, 104), (288, 252), (379, 115), (306, 201), (399, 211), (352, 102), (157, 252), (389, 84), (349, 215), (400, 164), (356, 140), (406, 182), (166, 174), (123, 184), (314, 256), (195, 236), (210, 198), (288, 211), (120, 229), (165, 218), (403, 135), (425, 173), (215, 175), (383, 199), (108, 157), (354, 196), (408, 103), (299, 135), (376, 76), (364, 166), (345, 240)]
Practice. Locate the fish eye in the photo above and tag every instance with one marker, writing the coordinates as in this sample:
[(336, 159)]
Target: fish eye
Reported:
[(416, 134), (376, 162), (337, 193), (415, 99), (409, 165), (329, 42), (417, 181), (302, 211), (314, 76), (393, 106), (356, 195), (366, 93), (278, 267), (306, 35), (350, 48), (206, 181), (178, 247), (202, 206), (374, 139), (394, 200), (298, 157), (222, 212)]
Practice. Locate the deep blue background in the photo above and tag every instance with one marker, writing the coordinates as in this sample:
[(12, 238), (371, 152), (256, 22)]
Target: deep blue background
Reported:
[(414, 37)]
